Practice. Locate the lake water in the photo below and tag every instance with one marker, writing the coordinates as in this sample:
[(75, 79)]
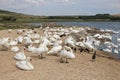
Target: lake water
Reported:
[(100, 25)]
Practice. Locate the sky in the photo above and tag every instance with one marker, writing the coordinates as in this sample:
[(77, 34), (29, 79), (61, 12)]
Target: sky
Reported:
[(61, 7)]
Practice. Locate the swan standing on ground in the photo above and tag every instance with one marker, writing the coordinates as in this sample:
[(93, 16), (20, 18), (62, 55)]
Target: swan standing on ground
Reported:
[(46, 41), (20, 39), (25, 65), (88, 42), (30, 48), (67, 53), (56, 48), (20, 55), (5, 43), (70, 41), (41, 49)]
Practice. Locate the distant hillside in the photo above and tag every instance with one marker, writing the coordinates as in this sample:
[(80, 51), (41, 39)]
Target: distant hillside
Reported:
[(3, 11), (9, 13), (8, 16)]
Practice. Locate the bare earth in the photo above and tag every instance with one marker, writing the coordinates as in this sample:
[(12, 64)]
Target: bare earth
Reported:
[(49, 68)]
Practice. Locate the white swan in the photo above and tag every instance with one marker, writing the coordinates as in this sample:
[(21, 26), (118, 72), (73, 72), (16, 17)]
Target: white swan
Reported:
[(40, 50), (80, 44), (36, 41), (14, 42), (24, 65), (30, 48), (20, 39), (57, 37), (70, 41), (20, 55), (116, 50), (89, 42), (46, 41), (15, 49), (56, 48), (5, 43), (118, 39), (67, 53), (27, 41), (107, 50)]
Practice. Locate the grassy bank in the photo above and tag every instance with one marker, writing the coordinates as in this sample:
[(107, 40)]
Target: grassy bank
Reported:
[(7, 16)]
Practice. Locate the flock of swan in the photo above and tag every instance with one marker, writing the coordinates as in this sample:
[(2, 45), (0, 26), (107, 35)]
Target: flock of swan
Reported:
[(53, 41)]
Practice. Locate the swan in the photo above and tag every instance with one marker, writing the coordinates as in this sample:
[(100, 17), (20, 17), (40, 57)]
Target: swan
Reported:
[(57, 37), (118, 39), (52, 39), (40, 50), (116, 50), (15, 49), (96, 35), (67, 53), (30, 48), (46, 41), (89, 42), (80, 44), (36, 41), (56, 48), (20, 55), (25, 65), (14, 42), (27, 41), (70, 41), (20, 39), (5, 43), (107, 50)]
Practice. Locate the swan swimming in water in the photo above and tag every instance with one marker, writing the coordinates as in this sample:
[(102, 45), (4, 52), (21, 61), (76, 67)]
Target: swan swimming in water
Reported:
[(107, 50), (116, 50)]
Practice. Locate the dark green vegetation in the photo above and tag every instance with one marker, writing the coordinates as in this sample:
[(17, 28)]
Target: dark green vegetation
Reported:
[(7, 16)]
